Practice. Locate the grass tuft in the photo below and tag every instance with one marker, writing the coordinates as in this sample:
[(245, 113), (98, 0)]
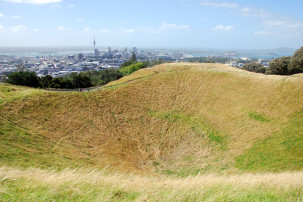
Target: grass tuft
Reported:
[(258, 117)]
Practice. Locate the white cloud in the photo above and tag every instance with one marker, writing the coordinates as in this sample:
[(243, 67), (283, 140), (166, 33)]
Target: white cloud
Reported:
[(271, 22), (35, 30), (80, 19), (128, 31), (16, 17), (1, 27), (86, 29), (254, 12), (164, 26), (223, 28), (222, 4), (62, 28), (17, 28), (1, 15), (34, 1), (71, 5), (104, 30)]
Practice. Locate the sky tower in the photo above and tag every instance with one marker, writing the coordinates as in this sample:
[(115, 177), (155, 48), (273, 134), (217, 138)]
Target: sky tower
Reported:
[(95, 50)]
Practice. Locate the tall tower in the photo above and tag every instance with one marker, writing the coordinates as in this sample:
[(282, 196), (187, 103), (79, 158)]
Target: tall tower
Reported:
[(95, 50), (94, 43)]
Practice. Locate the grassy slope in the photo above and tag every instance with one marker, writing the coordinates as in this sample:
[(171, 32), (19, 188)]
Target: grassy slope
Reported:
[(185, 119)]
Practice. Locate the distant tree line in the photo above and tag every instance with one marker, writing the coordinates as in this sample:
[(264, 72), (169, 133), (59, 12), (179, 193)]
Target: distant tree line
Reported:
[(280, 66), (287, 65), (254, 67), (102, 77), (72, 80), (23, 78)]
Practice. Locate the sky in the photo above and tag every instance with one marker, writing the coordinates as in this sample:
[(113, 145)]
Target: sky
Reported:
[(188, 24)]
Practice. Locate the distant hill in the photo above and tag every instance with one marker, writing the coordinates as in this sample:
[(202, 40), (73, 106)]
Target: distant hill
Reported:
[(281, 50), (181, 119)]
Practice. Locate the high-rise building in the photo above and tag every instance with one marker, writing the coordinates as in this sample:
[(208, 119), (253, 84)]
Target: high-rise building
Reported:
[(80, 56), (109, 50), (135, 50), (96, 52)]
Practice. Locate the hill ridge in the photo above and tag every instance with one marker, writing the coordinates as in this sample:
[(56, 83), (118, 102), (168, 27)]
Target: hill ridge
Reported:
[(178, 119)]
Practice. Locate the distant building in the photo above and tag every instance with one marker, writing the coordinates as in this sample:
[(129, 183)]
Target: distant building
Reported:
[(97, 53), (80, 56), (178, 55), (240, 65), (135, 50)]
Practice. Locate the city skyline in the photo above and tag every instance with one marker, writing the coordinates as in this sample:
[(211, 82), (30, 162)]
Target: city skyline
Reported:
[(152, 24)]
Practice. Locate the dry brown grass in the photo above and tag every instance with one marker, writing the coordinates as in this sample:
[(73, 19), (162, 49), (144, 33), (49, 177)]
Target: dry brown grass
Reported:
[(149, 188), (284, 180), (162, 122)]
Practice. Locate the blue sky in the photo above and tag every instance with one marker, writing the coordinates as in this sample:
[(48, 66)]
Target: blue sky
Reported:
[(199, 24)]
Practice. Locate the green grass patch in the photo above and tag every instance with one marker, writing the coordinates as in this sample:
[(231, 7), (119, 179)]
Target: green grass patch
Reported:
[(198, 125), (200, 128), (280, 152), (215, 136), (258, 117), (171, 116)]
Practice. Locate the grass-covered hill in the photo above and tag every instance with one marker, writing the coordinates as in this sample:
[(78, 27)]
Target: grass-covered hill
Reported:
[(185, 131), (179, 119)]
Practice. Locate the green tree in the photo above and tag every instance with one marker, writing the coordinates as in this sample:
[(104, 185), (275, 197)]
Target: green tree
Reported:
[(24, 78), (45, 81), (103, 76), (127, 63), (81, 81), (132, 60), (131, 68), (296, 62), (253, 67), (261, 70), (57, 83), (279, 66)]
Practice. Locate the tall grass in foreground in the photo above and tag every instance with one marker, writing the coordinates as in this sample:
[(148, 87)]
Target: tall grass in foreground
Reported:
[(34, 184)]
